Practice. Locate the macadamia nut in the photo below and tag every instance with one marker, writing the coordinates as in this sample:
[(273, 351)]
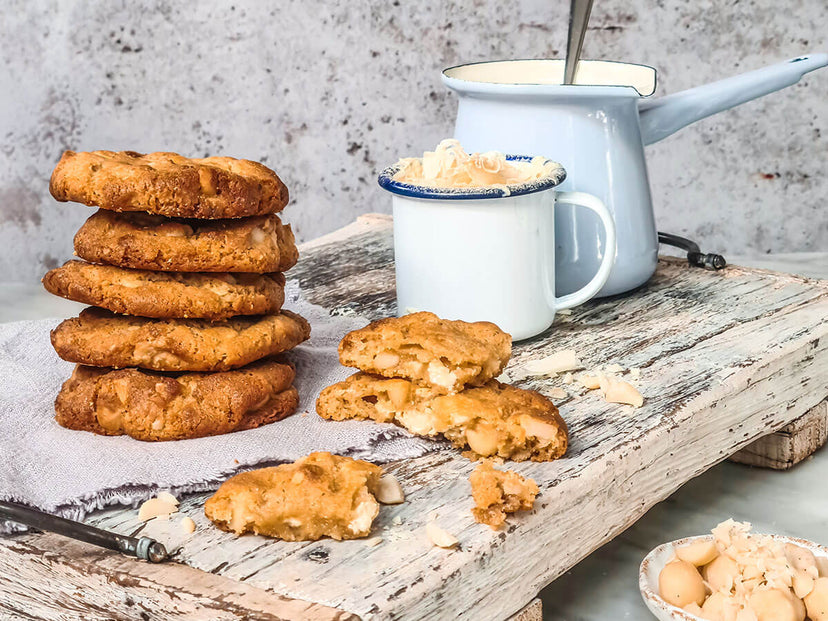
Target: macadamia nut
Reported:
[(721, 573), (773, 605), (698, 553), (816, 602), (680, 584)]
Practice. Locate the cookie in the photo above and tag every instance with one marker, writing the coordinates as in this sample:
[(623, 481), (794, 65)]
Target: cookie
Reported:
[(494, 419), (102, 339), (497, 493), (321, 495), (155, 407), (167, 294), (371, 397), (168, 184), (428, 350), (260, 244)]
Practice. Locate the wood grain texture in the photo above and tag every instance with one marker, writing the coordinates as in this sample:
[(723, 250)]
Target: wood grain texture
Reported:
[(725, 358), (787, 447), (51, 577), (533, 611)]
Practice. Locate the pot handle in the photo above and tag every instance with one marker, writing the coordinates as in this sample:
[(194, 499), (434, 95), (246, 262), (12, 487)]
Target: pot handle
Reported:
[(582, 199), (663, 116)]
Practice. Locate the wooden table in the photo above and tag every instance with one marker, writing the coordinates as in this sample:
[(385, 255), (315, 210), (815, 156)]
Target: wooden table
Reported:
[(725, 358)]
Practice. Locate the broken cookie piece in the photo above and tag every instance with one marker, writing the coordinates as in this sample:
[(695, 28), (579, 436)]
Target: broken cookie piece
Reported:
[(495, 419), (321, 495), (443, 354), (497, 493), (371, 397)]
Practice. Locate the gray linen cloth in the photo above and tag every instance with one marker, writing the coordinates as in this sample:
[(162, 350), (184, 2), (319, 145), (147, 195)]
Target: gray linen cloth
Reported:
[(70, 473)]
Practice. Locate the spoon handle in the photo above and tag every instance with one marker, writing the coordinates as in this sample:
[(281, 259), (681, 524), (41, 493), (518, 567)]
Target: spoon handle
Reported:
[(143, 548), (578, 19)]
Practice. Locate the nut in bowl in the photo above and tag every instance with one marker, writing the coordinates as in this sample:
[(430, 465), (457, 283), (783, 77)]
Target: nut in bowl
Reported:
[(474, 237), (733, 576)]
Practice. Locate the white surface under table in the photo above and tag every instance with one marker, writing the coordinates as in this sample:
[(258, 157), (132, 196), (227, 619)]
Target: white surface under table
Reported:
[(604, 585)]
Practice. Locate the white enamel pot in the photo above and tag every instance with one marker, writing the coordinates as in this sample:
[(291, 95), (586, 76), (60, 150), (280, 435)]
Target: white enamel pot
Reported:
[(488, 254), (597, 129)]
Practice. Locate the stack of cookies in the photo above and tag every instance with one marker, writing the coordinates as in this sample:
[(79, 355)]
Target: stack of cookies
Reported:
[(436, 377), (183, 268)]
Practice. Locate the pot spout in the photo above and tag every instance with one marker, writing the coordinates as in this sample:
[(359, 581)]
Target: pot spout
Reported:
[(665, 115)]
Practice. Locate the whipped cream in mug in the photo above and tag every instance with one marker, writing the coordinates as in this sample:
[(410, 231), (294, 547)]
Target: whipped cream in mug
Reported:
[(449, 166)]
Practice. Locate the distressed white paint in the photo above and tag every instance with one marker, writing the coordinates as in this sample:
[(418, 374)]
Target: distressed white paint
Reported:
[(725, 358)]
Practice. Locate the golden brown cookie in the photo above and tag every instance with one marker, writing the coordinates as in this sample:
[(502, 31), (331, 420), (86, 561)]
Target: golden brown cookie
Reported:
[(167, 294), (259, 244), (494, 419), (155, 407), (371, 397), (168, 184), (321, 495), (497, 493), (102, 339), (428, 350)]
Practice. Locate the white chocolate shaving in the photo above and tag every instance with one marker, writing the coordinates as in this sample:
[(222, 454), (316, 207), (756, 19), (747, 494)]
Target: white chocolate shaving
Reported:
[(449, 166), (440, 537), (559, 362)]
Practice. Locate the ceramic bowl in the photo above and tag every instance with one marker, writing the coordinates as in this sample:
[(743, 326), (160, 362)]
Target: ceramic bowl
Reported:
[(655, 561)]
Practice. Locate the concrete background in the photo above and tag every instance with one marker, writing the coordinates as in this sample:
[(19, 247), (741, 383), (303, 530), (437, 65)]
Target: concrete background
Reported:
[(328, 94)]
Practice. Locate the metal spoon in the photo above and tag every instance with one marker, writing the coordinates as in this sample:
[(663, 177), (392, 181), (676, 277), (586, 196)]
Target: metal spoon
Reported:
[(578, 19)]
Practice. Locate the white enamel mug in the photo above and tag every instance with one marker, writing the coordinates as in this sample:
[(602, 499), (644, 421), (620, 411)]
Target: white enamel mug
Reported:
[(487, 254)]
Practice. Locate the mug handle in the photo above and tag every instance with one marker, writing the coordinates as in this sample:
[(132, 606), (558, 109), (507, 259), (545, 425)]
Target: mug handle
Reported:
[(582, 199)]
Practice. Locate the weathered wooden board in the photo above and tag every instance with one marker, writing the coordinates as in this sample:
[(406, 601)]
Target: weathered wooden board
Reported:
[(57, 578), (725, 358), (787, 447)]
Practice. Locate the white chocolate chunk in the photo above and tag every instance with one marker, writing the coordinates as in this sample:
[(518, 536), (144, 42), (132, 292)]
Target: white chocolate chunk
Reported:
[(389, 491), (557, 393), (440, 537), (619, 391), (386, 360), (155, 507), (167, 497), (560, 361), (188, 525), (590, 382)]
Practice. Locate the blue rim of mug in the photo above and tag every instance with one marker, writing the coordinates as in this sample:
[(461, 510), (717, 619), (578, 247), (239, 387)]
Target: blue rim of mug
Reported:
[(387, 182)]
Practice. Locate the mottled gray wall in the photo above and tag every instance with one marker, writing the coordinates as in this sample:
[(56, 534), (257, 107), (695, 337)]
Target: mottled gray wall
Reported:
[(327, 93)]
